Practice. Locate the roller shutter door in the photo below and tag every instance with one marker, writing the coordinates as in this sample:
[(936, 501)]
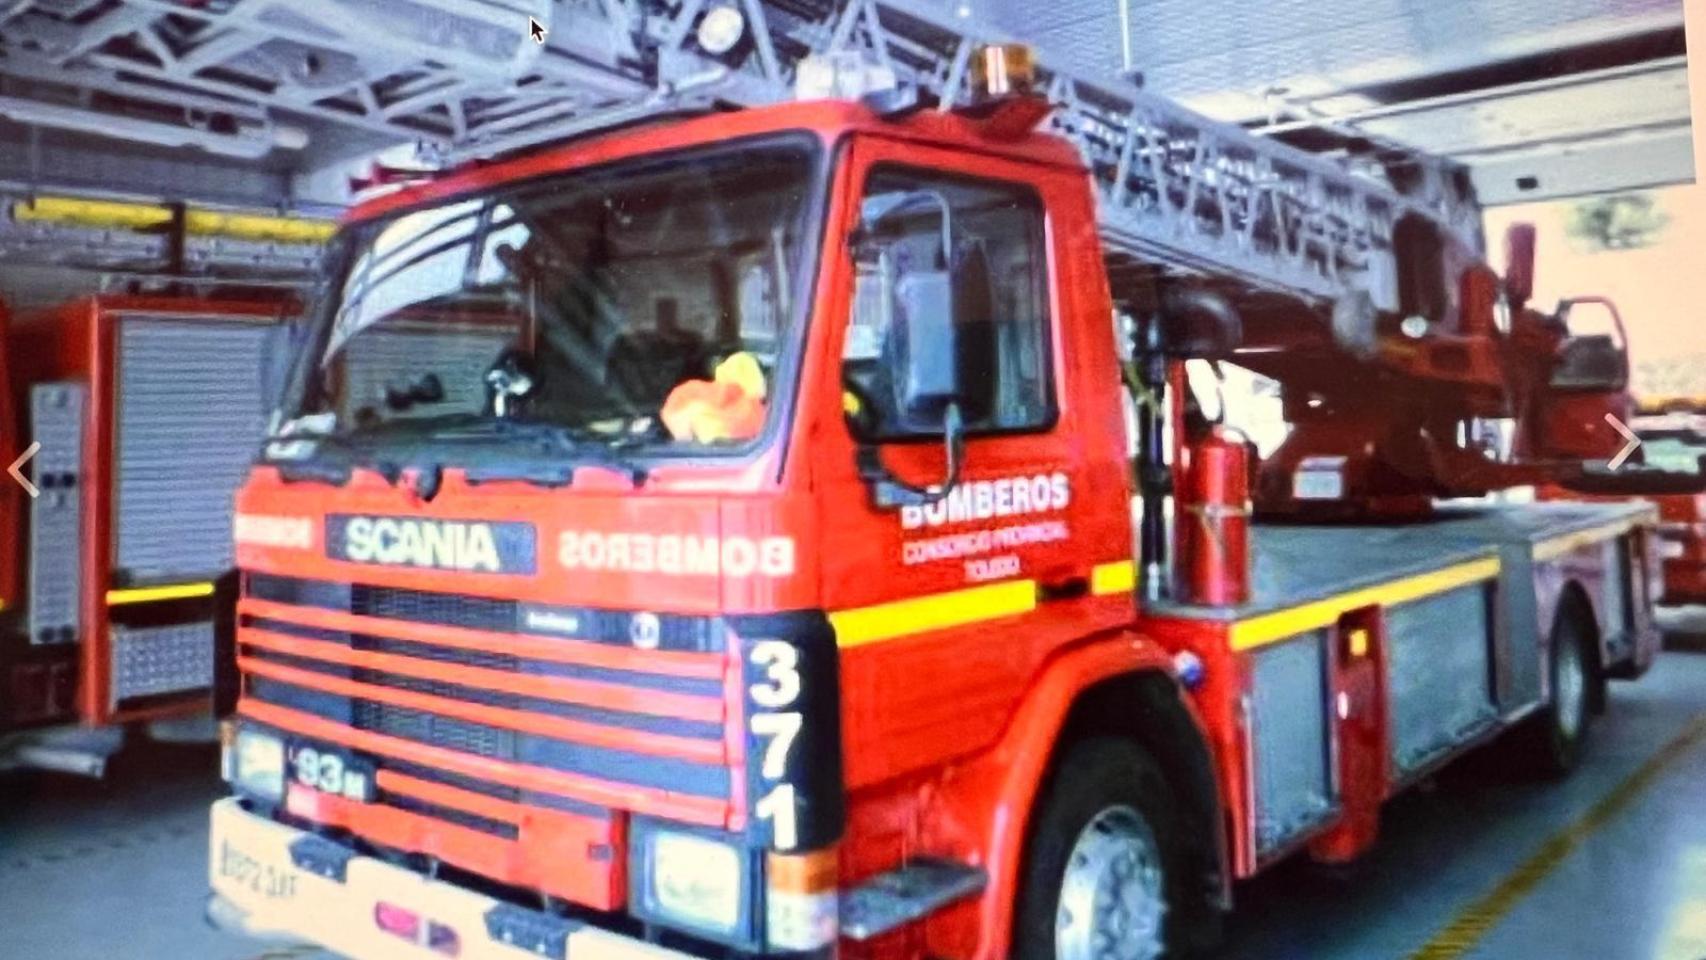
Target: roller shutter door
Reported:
[(192, 409)]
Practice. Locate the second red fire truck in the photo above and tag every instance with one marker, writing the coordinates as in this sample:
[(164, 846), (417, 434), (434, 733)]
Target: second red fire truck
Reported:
[(138, 410)]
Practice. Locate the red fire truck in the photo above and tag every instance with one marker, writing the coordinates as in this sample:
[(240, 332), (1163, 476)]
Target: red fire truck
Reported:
[(721, 538), (1654, 450), (1674, 440), (144, 412)]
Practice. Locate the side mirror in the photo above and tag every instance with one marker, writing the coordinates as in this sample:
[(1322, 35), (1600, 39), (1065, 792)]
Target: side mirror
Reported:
[(923, 353), (1520, 242), (922, 309), (922, 349), (1594, 356)]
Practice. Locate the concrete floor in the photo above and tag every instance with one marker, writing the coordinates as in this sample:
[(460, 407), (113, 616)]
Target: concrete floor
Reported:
[(97, 871)]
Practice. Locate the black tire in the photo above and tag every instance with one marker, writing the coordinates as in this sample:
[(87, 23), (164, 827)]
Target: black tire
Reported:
[(1095, 780), (1556, 736)]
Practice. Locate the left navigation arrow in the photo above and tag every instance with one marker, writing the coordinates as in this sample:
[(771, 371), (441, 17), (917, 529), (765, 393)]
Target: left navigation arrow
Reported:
[(16, 470)]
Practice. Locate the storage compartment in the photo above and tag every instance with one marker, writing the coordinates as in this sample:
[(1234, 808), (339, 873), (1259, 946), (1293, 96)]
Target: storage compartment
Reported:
[(1294, 785), (1438, 673)]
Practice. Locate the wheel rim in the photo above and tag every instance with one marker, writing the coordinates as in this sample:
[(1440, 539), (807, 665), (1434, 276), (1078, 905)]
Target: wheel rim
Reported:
[(1112, 897), (1572, 690)]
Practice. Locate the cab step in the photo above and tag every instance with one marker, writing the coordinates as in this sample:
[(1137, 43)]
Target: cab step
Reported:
[(900, 896)]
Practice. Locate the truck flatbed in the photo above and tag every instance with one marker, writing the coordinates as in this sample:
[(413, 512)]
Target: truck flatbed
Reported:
[(1296, 564), (1446, 622)]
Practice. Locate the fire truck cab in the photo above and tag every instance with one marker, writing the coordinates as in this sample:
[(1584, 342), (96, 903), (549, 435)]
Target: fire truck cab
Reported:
[(716, 539)]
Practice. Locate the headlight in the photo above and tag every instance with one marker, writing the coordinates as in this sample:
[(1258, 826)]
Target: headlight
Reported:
[(692, 882), (257, 764)]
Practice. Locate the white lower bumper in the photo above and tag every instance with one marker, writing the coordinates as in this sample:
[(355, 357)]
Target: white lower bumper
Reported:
[(261, 890)]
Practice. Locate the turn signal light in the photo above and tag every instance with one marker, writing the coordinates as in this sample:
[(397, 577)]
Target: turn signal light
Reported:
[(802, 899)]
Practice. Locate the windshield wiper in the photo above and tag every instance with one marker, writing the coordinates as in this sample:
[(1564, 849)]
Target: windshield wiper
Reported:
[(580, 445), (553, 453)]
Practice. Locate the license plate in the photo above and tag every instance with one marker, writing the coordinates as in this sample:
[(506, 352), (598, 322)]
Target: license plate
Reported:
[(334, 771), (262, 879), (1319, 478), (1317, 485)]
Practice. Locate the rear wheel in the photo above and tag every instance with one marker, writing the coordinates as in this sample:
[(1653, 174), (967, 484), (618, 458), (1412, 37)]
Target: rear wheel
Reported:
[(1100, 879), (1558, 733)]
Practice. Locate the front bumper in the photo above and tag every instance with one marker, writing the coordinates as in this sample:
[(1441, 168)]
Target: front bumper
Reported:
[(277, 882)]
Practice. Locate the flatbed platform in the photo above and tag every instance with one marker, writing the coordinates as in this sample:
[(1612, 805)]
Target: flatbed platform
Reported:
[(1295, 564), (1408, 642)]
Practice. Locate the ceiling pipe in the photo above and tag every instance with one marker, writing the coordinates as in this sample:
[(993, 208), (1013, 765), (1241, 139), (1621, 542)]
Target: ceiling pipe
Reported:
[(244, 145), (1460, 99)]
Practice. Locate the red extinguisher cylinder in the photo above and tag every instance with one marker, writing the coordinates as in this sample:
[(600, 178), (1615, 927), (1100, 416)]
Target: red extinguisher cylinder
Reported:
[(1214, 516)]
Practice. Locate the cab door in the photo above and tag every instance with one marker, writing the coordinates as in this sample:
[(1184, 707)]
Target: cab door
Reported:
[(948, 292)]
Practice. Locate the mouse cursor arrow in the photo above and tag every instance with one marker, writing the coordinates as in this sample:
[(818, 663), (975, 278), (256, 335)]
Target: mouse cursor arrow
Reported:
[(1628, 448), (537, 29)]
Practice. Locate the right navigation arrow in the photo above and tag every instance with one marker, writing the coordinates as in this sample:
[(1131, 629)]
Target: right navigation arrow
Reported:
[(1628, 448)]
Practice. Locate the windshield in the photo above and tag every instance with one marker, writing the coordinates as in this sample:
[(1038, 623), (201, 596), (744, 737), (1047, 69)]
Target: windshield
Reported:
[(647, 302)]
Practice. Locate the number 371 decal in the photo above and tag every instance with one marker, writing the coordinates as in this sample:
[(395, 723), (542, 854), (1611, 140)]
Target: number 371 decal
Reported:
[(794, 738)]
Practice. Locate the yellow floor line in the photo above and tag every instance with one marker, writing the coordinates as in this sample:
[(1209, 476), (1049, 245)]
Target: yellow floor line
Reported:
[(1475, 921)]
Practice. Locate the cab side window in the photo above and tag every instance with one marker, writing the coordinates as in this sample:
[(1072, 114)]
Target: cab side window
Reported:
[(988, 236)]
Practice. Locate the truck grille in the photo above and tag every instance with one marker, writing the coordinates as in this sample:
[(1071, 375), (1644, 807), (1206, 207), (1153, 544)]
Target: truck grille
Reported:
[(448, 689), (448, 609)]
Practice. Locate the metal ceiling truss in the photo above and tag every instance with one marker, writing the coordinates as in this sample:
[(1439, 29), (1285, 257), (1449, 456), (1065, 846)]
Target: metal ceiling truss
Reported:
[(404, 68), (464, 78)]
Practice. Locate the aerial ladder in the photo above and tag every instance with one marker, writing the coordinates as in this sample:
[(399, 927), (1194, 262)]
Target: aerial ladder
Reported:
[(1377, 259), (1342, 277), (1178, 191)]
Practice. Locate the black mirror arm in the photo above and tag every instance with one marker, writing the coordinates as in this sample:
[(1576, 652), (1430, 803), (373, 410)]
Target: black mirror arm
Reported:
[(889, 493)]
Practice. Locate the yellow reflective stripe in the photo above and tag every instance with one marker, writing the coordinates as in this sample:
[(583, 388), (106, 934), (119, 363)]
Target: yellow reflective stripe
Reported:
[(934, 612), (1269, 627), (1570, 542), (1118, 577), (182, 591)]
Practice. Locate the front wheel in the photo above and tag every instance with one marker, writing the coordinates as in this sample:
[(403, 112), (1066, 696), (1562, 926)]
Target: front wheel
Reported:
[(1100, 879)]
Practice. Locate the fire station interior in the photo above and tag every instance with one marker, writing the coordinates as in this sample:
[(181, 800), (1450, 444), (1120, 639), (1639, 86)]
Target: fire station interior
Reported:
[(305, 239)]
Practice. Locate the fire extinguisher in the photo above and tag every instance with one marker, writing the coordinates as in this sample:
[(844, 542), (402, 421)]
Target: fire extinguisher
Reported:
[(1214, 520)]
